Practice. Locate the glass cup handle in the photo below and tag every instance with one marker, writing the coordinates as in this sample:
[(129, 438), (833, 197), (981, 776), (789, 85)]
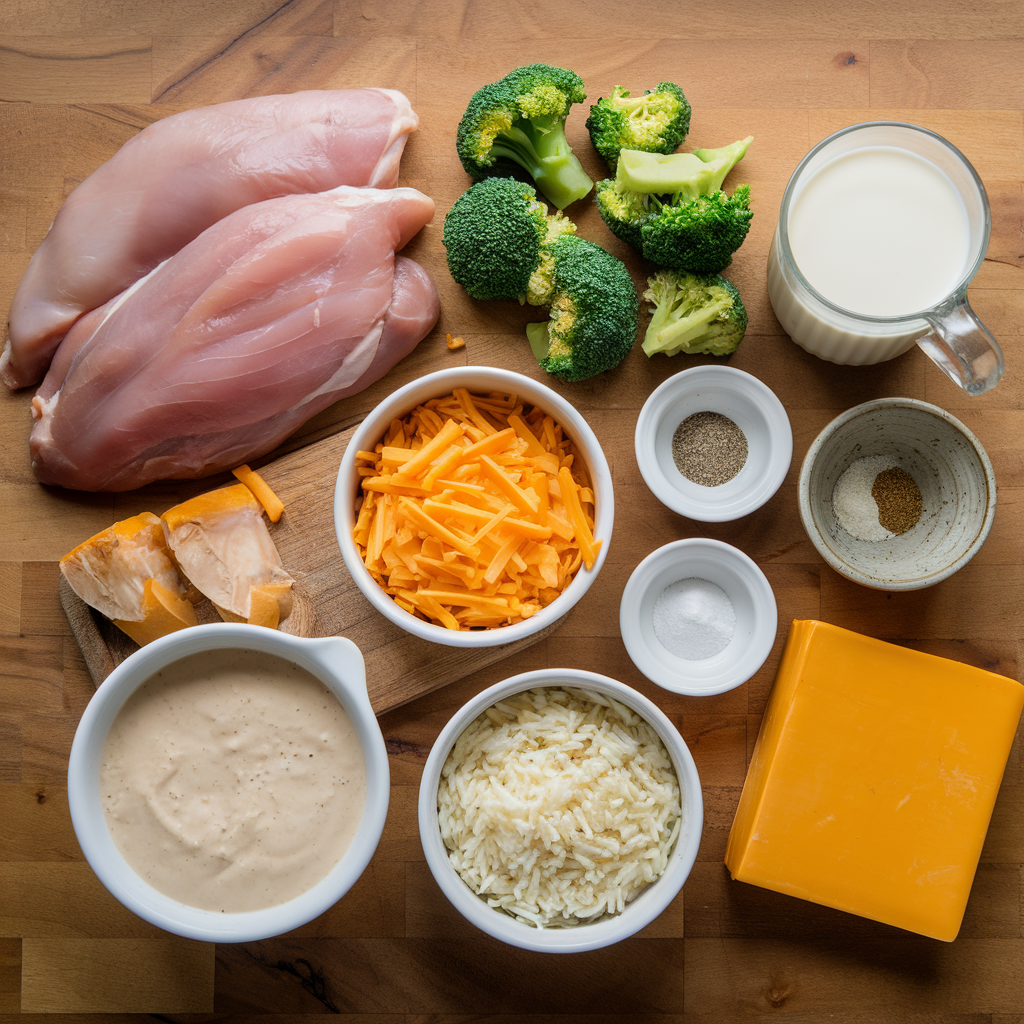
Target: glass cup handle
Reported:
[(963, 347)]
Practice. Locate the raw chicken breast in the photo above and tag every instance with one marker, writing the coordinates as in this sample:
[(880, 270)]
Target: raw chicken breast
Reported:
[(176, 178), (225, 349)]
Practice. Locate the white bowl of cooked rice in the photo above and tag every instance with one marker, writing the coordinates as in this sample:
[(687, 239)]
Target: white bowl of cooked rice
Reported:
[(560, 811)]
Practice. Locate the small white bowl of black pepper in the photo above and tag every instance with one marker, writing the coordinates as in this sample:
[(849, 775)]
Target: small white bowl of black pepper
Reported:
[(897, 494), (713, 443)]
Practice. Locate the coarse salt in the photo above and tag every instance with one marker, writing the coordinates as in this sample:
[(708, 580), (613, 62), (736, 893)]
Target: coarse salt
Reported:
[(694, 619)]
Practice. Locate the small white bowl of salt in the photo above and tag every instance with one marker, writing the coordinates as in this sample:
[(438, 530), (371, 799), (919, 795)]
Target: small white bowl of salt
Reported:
[(698, 617)]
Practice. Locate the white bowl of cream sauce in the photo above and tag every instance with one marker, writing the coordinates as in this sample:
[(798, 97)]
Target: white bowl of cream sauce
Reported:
[(229, 783)]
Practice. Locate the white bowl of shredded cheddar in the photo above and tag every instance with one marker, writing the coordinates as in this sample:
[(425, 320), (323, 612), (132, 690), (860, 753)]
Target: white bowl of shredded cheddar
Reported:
[(474, 507), (560, 811)]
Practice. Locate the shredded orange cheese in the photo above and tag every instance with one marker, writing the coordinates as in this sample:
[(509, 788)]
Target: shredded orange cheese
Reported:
[(472, 514), (271, 503), (454, 343)]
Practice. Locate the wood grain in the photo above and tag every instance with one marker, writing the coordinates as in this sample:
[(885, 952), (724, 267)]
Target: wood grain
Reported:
[(81, 975), (77, 80)]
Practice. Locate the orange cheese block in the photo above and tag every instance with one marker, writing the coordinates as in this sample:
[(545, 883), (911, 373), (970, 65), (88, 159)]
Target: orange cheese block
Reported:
[(163, 612), (223, 547), (126, 572), (873, 779)]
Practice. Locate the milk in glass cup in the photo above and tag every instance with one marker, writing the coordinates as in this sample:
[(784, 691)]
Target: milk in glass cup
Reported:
[(883, 225)]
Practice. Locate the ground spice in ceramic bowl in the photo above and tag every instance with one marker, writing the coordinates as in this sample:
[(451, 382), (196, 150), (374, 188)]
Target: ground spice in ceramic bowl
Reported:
[(876, 500), (897, 494)]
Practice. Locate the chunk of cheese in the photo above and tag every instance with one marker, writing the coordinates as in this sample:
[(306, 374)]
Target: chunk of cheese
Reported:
[(163, 612), (223, 546), (126, 572), (873, 779)]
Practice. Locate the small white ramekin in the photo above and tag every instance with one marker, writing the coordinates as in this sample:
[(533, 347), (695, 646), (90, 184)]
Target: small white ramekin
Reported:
[(751, 405), (479, 379), (749, 592), (639, 912), (338, 664)]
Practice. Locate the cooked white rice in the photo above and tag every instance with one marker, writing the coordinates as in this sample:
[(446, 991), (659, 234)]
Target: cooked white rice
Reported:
[(558, 806)]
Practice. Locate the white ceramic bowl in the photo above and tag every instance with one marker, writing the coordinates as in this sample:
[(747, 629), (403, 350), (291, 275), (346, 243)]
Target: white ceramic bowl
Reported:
[(339, 665), (639, 912), (950, 468), (480, 379), (752, 599), (751, 405)]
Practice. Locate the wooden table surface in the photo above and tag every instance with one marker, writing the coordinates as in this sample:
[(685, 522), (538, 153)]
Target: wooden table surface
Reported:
[(77, 80)]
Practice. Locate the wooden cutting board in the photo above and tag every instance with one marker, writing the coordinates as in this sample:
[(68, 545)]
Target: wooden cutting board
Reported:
[(326, 601)]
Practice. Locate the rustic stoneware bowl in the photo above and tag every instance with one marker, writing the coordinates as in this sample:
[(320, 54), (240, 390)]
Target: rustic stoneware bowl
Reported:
[(478, 379), (950, 468), (751, 405), (640, 911)]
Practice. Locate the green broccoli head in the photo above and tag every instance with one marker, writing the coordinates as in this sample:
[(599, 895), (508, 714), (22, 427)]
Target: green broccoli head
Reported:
[(694, 314), (698, 235), (520, 120), (595, 312), (623, 211), (672, 209), (656, 122), (494, 238)]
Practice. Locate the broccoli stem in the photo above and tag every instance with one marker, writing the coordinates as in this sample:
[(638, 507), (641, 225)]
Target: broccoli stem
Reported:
[(539, 146), (668, 331), (684, 176), (539, 338)]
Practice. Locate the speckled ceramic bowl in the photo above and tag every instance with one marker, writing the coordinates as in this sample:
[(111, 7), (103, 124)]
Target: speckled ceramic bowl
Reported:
[(950, 468)]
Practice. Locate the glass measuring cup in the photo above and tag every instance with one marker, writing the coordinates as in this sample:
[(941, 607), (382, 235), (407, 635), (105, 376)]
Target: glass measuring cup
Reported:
[(946, 328)]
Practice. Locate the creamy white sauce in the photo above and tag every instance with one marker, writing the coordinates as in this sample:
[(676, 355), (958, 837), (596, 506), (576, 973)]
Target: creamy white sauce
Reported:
[(880, 231), (233, 781)]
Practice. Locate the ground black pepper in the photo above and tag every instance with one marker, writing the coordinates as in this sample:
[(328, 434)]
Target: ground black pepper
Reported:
[(898, 498), (709, 449)]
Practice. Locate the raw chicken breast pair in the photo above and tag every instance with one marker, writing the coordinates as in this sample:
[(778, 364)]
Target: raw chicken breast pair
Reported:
[(194, 322)]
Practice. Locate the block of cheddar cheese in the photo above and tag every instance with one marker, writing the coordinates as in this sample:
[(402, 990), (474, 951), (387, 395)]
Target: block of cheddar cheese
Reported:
[(873, 779), (223, 547), (127, 573)]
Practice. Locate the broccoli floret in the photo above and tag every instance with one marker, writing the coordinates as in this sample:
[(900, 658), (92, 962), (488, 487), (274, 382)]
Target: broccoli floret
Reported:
[(700, 235), (656, 122), (495, 236), (520, 120), (594, 312), (502, 243), (622, 211), (694, 314), (672, 209)]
